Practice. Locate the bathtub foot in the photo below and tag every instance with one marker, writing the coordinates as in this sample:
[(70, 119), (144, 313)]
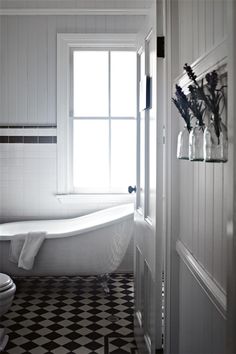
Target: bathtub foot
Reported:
[(103, 279)]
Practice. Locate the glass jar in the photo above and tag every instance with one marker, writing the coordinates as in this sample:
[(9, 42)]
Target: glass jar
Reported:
[(216, 142), (183, 144), (196, 143)]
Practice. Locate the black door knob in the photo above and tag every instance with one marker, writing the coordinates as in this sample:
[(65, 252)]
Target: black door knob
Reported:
[(132, 189)]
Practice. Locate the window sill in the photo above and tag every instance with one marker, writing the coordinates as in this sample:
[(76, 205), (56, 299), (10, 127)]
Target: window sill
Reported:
[(95, 198)]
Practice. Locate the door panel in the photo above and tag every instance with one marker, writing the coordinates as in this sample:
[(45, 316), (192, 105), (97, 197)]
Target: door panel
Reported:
[(148, 233)]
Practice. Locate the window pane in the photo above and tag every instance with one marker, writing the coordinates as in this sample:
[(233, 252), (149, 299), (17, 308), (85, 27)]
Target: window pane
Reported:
[(90, 83), (123, 84), (90, 157), (123, 154)]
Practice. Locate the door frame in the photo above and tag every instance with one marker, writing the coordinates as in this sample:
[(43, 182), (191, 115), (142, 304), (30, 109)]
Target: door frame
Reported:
[(171, 193)]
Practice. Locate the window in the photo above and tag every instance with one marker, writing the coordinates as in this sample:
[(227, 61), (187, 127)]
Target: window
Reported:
[(96, 114), (104, 108)]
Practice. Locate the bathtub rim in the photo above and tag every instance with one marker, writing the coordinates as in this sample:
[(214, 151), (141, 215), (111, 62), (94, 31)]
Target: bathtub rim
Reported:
[(82, 230)]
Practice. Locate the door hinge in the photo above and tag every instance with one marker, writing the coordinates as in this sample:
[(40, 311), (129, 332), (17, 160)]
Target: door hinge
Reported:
[(160, 47)]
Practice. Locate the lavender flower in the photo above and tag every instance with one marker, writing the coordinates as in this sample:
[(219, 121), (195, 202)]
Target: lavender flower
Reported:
[(182, 103)]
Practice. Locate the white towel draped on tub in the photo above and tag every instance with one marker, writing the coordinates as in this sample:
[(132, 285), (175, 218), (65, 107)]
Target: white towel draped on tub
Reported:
[(24, 249)]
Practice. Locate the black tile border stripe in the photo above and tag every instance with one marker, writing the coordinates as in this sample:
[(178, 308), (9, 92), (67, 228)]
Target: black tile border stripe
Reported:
[(45, 139), (27, 126), (31, 139), (4, 139), (28, 139), (16, 139)]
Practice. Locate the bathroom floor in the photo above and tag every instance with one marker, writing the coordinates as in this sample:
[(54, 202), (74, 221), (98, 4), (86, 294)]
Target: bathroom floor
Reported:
[(63, 315)]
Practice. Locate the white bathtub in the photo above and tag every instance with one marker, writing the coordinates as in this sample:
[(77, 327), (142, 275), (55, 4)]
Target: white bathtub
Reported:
[(88, 245)]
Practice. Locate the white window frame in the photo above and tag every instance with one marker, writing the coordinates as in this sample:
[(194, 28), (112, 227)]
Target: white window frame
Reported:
[(66, 41)]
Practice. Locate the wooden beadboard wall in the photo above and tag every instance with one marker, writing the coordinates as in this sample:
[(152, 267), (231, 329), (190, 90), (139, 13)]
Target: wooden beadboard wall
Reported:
[(201, 328), (202, 25), (28, 61)]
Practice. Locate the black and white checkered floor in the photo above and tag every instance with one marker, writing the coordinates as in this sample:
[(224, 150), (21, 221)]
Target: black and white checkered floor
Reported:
[(62, 315)]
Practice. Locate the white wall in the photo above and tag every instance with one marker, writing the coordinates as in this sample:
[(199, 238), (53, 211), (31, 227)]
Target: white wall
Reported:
[(28, 79), (28, 173), (202, 330), (200, 25), (28, 87)]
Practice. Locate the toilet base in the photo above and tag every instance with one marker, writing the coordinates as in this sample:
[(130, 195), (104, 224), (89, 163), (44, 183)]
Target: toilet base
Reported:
[(3, 339)]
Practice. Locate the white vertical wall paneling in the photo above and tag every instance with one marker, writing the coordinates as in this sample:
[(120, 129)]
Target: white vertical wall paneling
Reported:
[(181, 210), (188, 322), (28, 80), (224, 226), (51, 79), (201, 214), (183, 202), (225, 23), (202, 197), (198, 299), (219, 330), (195, 203), (73, 23), (202, 25), (110, 23), (63, 24), (195, 26), (12, 48), (204, 322), (189, 213), (198, 37), (209, 23), (22, 82), (202, 328), (209, 229), (183, 326), (11, 4), (218, 203), (218, 20), (42, 69), (5, 81), (188, 57), (33, 46), (181, 33), (80, 22), (90, 23)]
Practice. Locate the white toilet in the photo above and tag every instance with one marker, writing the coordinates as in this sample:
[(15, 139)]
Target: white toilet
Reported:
[(7, 292)]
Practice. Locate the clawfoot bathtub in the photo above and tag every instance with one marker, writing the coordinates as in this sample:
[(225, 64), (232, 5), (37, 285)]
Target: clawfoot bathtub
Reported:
[(93, 244)]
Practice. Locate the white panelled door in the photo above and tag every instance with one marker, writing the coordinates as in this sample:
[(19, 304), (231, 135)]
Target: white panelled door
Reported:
[(149, 200)]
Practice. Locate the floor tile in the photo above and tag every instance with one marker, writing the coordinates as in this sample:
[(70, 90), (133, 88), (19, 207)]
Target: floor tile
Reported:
[(71, 315)]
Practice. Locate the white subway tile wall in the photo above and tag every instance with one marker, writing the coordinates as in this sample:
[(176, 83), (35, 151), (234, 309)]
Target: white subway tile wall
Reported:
[(28, 187)]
